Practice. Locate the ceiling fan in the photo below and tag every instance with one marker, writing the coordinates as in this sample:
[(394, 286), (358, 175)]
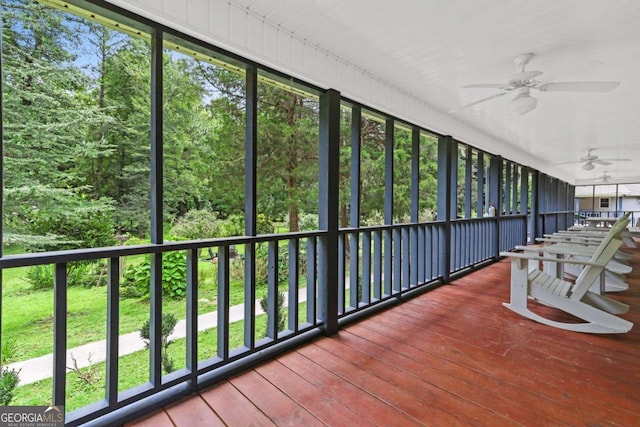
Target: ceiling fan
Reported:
[(523, 82), (590, 160), (604, 178)]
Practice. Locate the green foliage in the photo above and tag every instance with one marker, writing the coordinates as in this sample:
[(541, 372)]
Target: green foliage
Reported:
[(76, 220), (136, 280), (308, 222), (280, 309), (232, 226), (169, 322), (263, 224), (8, 382), (197, 224), (85, 274), (375, 217), (9, 378)]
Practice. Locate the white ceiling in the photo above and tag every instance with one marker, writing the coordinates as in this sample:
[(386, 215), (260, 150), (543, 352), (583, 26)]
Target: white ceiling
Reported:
[(430, 48)]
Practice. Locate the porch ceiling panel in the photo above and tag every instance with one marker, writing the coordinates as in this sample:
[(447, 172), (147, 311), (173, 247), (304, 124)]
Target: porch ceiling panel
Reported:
[(411, 57)]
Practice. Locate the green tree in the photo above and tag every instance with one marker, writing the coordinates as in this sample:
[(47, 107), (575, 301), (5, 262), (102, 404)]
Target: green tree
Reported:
[(46, 116)]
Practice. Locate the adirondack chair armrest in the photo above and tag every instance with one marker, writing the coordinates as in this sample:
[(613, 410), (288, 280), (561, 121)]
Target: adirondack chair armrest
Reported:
[(528, 256), (559, 249), (585, 242)]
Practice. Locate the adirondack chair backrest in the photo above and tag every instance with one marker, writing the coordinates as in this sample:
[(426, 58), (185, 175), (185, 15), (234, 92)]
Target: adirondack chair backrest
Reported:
[(603, 254)]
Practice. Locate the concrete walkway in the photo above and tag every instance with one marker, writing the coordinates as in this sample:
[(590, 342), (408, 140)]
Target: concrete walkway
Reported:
[(41, 368)]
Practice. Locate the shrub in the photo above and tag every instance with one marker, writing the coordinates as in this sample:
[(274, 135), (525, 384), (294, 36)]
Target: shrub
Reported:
[(280, 309), (308, 222), (197, 224), (85, 274), (169, 322), (374, 218), (136, 280), (264, 225), (232, 226), (8, 382)]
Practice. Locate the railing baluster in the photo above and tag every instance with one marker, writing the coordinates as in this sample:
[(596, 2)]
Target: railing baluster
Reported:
[(354, 270), (429, 249), (192, 316), (272, 291), (292, 318), (250, 295), (312, 311), (155, 323), (396, 257), (388, 260), (223, 302), (113, 330), (377, 265), (366, 268), (341, 273), (60, 334), (407, 261), (421, 255)]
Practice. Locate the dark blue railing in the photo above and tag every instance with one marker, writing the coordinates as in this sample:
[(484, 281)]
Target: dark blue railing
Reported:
[(375, 264)]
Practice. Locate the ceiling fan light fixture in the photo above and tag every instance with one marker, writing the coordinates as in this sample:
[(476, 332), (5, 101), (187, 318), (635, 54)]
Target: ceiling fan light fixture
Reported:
[(522, 104), (588, 166)]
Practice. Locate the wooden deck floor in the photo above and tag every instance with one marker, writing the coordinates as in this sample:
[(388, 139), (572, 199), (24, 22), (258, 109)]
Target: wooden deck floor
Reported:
[(453, 356)]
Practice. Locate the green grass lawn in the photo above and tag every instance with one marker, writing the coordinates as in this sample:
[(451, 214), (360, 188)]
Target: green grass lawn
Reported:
[(27, 322), (135, 365), (27, 315)]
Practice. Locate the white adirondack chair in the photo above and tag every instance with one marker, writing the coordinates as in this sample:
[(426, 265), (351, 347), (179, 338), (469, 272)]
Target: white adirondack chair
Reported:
[(597, 311), (578, 247)]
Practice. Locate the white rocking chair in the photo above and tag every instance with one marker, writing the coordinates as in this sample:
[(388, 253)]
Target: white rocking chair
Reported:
[(598, 311)]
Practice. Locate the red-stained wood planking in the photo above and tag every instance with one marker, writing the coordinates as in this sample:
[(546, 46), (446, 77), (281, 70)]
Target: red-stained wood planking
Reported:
[(157, 419), (372, 410), (193, 412), (312, 398), (233, 407), (276, 404), (452, 356), (364, 376)]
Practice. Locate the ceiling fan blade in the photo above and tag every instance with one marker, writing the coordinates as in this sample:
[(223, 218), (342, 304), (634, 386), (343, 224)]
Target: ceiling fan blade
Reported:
[(615, 160), (600, 87), (497, 95), (487, 85), (571, 162), (601, 162), (523, 76)]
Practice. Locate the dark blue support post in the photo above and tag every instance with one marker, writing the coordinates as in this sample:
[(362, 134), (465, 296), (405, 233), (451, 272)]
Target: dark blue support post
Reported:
[(250, 204), (388, 206), (536, 226), (524, 187), (155, 299), (495, 197), (514, 198), (328, 160), (507, 189), (354, 220), (446, 206), (416, 262), (542, 203), (481, 202), (468, 175)]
